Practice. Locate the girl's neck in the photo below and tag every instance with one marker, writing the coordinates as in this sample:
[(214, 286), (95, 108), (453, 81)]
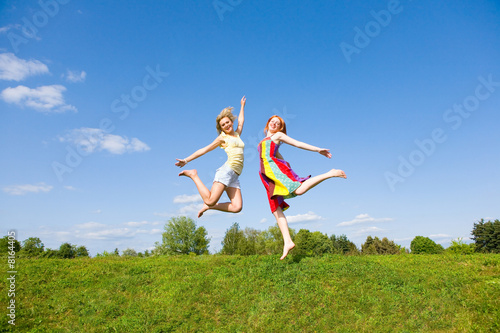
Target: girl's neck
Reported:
[(269, 134)]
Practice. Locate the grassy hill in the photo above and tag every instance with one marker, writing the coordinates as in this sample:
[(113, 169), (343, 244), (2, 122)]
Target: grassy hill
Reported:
[(398, 293)]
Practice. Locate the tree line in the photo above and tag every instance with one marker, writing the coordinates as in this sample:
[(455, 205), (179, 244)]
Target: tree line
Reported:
[(182, 236)]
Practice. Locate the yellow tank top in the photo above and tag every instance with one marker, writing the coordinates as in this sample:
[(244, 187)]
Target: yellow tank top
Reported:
[(234, 148)]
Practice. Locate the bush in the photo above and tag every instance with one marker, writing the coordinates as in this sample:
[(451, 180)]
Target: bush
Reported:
[(425, 245), (129, 253), (459, 247), (312, 243)]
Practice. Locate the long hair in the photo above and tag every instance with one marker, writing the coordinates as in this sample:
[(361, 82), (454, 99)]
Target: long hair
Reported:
[(282, 127), (227, 112)]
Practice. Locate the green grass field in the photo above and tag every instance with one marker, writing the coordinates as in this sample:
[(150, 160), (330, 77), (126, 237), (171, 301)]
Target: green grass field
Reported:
[(398, 293)]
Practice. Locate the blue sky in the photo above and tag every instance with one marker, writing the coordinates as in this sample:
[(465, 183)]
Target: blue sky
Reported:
[(98, 99)]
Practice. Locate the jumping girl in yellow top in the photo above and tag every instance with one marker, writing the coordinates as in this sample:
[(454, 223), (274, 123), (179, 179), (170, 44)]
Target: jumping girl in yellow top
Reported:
[(226, 177)]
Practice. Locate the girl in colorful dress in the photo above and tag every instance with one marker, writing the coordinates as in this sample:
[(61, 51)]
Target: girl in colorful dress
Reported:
[(279, 179), (226, 177)]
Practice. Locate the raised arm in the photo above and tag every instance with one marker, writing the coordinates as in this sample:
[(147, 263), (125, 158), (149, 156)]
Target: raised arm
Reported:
[(200, 152), (241, 116), (280, 136)]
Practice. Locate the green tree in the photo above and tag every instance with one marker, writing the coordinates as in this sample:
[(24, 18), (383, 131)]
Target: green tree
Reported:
[(460, 247), (425, 245), (107, 254), (486, 236), (182, 237), (32, 247), (312, 243), (342, 245), (82, 251), (129, 253), (270, 241), (7, 245), (67, 251), (232, 239), (377, 246)]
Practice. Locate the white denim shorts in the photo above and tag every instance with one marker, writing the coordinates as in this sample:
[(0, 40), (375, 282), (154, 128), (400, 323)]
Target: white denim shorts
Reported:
[(225, 175)]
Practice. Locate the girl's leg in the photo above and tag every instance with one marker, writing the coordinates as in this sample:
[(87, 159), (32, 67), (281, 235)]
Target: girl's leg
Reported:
[(210, 197), (311, 182), (234, 206), (283, 225)]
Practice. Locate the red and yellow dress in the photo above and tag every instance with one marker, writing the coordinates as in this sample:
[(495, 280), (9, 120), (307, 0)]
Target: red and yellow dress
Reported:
[(278, 178)]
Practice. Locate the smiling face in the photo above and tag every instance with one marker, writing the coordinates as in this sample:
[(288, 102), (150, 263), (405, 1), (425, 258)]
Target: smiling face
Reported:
[(274, 125), (226, 125)]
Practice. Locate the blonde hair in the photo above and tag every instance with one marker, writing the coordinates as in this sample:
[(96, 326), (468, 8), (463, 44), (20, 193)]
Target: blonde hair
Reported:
[(227, 112)]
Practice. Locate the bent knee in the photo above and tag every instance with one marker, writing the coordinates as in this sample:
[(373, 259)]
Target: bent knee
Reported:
[(210, 202), (238, 208)]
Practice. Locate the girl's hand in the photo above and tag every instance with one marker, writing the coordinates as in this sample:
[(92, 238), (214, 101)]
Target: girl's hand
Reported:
[(243, 101), (325, 152), (180, 163)]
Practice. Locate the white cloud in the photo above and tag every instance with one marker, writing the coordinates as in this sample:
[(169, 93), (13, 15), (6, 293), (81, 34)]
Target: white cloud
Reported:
[(70, 188), (440, 236), (118, 233), (90, 225), (363, 218), (310, 216), (264, 220), (184, 198), (75, 76), (14, 69), (192, 208), (368, 230), (28, 188), (136, 224), (47, 99), (95, 139), (111, 233)]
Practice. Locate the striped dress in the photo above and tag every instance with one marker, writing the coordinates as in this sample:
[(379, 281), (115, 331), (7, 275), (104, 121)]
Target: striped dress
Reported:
[(278, 178)]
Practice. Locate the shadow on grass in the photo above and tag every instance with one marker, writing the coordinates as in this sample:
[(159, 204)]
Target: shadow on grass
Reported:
[(297, 258)]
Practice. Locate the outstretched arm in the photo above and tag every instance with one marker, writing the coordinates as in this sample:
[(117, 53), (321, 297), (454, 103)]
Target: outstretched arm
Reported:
[(280, 136), (200, 152), (241, 116)]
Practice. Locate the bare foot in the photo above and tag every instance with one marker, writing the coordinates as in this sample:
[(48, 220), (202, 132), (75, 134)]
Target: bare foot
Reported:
[(203, 210), (337, 173), (188, 173), (287, 248)]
